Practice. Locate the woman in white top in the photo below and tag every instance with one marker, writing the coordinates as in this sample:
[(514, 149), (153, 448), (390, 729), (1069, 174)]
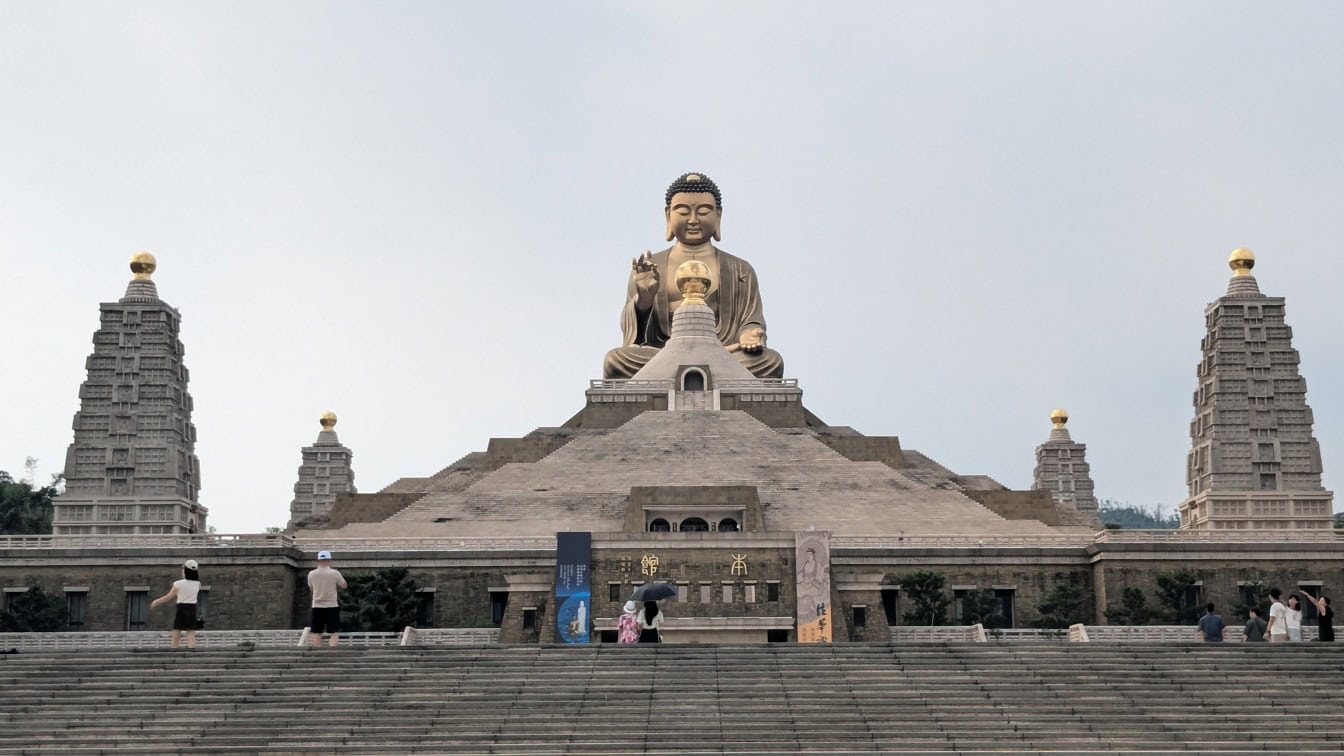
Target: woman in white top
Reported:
[(1293, 615), (185, 591), (650, 623)]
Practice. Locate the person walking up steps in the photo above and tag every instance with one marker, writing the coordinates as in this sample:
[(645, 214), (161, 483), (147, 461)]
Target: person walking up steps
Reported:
[(324, 583), (185, 591)]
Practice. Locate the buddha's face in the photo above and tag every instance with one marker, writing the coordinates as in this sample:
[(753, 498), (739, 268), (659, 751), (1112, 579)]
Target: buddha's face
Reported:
[(693, 218)]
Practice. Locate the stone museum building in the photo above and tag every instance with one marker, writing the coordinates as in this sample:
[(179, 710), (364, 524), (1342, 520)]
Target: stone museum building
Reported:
[(692, 460)]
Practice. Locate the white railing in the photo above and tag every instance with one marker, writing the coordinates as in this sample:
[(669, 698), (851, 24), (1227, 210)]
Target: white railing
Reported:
[(433, 543), (312, 542), (1218, 536), (759, 384), (937, 634), (1168, 634), (144, 639), (132, 541), (1079, 540), (449, 636), (1020, 634), (627, 384)]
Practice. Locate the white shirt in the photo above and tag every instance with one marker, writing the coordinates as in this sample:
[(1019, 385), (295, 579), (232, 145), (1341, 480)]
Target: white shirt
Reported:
[(1277, 613), (187, 590), (1294, 618)]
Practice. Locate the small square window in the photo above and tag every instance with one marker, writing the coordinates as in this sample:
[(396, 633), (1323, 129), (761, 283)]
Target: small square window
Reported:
[(529, 619), (860, 616), (772, 591), (727, 594), (614, 592)]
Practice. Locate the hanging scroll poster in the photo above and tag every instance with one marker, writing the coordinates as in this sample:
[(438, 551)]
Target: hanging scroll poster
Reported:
[(813, 560), (573, 595)]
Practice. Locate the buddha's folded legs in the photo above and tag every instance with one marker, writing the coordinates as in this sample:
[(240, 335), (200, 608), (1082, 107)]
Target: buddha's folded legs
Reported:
[(624, 362)]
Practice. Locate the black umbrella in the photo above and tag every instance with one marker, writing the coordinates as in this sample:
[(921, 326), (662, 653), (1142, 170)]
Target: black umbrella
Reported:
[(654, 592)]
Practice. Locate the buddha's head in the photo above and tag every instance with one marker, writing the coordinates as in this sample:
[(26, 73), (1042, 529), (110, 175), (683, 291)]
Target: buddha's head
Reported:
[(694, 210)]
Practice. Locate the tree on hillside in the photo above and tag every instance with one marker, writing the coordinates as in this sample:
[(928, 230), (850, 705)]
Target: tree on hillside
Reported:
[(33, 611), (382, 601), (25, 509), (928, 601), (1118, 514), (1062, 606)]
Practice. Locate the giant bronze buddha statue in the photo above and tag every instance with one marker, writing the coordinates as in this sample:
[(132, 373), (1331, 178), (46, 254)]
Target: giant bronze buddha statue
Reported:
[(694, 209)]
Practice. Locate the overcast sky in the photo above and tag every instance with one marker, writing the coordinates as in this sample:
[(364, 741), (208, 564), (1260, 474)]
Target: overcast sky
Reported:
[(422, 215)]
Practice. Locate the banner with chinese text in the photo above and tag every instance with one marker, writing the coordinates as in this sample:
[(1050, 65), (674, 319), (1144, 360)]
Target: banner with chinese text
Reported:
[(813, 560), (573, 594)]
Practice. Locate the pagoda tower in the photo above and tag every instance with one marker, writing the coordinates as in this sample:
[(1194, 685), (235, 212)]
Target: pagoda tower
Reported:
[(1062, 468), (1253, 462), (324, 473), (132, 467)]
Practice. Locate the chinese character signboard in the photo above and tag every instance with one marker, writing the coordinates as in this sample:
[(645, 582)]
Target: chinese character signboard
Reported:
[(573, 594), (814, 585)]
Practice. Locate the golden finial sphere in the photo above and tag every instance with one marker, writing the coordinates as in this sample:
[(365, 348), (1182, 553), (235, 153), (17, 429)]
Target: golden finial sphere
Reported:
[(692, 278), (1241, 261), (328, 420), (143, 265), (1059, 417)]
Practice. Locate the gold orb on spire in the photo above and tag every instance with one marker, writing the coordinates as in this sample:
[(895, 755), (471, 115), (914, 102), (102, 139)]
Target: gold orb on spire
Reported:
[(1059, 418), (328, 420), (693, 281), (143, 265), (1241, 261)]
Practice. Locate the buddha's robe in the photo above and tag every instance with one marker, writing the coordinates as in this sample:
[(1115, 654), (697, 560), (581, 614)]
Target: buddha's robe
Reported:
[(735, 299)]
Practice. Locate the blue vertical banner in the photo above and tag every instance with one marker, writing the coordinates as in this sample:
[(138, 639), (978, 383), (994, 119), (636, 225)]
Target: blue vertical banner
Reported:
[(573, 594)]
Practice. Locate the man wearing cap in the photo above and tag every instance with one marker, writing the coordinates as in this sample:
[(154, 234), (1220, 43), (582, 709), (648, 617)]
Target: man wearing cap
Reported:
[(186, 591), (324, 582)]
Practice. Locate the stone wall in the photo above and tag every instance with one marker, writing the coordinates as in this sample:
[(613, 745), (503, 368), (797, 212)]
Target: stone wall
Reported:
[(700, 570), (249, 588), (374, 507), (1019, 505)]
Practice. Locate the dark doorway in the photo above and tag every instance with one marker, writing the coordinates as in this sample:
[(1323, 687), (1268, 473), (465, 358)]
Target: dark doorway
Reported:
[(694, 525), (890, 604)]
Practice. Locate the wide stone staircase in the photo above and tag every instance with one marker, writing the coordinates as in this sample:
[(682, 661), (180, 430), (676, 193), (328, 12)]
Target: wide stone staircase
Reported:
[(778, 698)]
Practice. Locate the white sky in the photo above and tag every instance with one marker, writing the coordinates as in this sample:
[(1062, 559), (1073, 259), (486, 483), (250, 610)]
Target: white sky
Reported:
[(421, 215)]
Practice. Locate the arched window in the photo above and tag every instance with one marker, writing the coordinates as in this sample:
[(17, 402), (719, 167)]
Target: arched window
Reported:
[(727, 525), (694, 525), (660, 526), (692, 380)]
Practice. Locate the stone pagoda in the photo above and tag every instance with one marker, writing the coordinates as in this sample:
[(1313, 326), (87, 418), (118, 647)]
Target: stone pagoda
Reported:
[(132, 467), (1062, 468), (1253, 462), (324, 473)]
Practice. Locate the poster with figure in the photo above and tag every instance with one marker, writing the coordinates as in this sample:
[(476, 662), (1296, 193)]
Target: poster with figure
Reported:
[(573, 594), (813, 574)]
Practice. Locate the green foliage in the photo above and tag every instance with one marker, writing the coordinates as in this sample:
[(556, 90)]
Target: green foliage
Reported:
[(34, 611), (25, 510), (981, 607), (381, 601), (1133, 609), (1178, 596), (1259, 594), (1062, 606), (1115, 514), (928, 600)]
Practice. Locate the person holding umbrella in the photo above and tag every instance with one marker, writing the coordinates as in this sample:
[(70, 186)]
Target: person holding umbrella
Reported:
[(650, 618)]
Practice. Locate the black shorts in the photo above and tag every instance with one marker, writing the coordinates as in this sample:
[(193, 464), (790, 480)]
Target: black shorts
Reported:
[(185, 618), (326, 619)]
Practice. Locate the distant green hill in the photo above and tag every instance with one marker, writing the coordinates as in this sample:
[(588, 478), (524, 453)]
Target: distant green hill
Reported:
[(1131, 517)]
